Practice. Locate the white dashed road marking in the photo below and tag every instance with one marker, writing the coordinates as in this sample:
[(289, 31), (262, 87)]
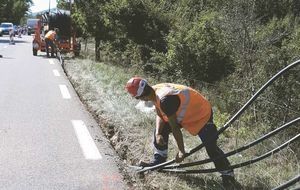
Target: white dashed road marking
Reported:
[(56, 73), (64, 91), (51, 61), (86, 142)]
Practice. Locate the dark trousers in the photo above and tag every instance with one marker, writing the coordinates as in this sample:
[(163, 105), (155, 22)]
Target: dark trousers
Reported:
[(49, 43), (209, 137)]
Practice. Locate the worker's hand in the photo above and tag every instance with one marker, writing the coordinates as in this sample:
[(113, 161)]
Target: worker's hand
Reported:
[(179, 157), (160, 140)]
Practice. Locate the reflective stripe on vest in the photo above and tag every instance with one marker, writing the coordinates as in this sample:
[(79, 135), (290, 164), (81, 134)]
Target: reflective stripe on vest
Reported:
[(194, 110), (186, 94)]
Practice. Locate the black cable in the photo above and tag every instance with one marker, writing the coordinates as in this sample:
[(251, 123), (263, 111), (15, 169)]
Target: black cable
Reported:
[(257, 94), (246, 163), (159, 166), (288, 183), (245, 147)]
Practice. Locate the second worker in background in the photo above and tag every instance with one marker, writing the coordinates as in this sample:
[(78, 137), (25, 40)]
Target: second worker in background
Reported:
[(50, 39)]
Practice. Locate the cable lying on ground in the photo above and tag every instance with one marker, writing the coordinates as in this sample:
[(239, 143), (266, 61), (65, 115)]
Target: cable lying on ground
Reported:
[(288, 183), (246, 163), (245, 147)]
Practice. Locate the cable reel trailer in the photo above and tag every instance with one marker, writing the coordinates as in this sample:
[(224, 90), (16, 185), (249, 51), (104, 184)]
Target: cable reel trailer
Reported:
[(67, 40)]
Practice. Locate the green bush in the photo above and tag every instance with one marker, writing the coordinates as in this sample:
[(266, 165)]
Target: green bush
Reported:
[(198, 50), (62, 22)]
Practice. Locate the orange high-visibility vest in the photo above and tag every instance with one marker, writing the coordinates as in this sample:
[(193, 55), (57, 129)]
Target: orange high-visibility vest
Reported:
[(50, 35), (194, 110)]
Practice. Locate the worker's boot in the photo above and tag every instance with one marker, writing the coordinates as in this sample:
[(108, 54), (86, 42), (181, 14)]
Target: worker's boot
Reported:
[(230, 183), (158, 159)]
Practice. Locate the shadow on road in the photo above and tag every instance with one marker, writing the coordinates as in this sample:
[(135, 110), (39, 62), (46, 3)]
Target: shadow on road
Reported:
[(3, 57), (42, 56), (17, 41), (45, 56)]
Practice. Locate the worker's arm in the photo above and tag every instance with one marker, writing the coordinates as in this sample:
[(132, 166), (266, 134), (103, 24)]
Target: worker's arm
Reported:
[(159, 127), (178, 137)]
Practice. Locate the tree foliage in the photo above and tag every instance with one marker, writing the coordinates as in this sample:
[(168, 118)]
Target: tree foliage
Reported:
[(13, 10), (233, 46), (62, 22)]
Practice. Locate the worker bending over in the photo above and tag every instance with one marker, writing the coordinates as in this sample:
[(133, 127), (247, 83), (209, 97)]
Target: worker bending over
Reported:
[(178, 107), (50, 38)]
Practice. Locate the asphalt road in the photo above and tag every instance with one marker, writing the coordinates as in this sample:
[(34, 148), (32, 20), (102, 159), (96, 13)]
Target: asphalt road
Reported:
[(48, 140)]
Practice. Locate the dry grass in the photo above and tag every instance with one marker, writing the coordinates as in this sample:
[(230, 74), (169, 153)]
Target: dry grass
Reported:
[(101, 87)]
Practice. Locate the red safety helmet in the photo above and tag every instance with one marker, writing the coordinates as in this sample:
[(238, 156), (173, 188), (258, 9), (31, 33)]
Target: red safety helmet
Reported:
[(135, 86)]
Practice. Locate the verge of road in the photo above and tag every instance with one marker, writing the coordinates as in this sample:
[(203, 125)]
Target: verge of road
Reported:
[(122, 167), (101, 88)]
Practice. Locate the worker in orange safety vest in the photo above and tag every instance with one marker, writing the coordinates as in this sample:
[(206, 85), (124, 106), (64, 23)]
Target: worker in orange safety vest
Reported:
[(50, 38), (178, 107)]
